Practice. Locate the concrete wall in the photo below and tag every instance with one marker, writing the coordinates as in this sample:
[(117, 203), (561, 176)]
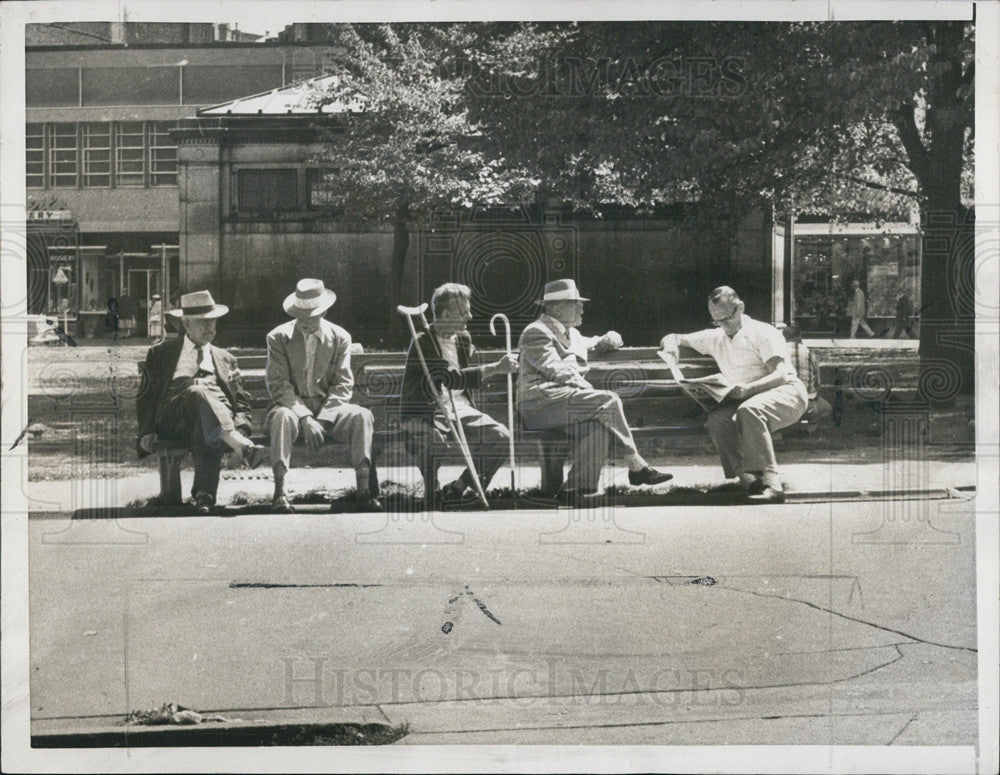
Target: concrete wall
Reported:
[(644, 279), (259, 270)]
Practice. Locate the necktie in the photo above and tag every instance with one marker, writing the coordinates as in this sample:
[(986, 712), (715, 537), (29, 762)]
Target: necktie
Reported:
[(310, 366), (200, 355)]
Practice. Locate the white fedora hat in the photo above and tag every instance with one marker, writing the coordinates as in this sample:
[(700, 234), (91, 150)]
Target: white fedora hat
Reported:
[(311, 298), (561, 290), (199, 304)]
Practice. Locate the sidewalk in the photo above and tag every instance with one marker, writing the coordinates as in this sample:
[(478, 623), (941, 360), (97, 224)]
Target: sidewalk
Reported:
[(816, 478)]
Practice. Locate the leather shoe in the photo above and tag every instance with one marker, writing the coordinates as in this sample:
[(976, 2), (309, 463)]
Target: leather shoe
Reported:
[(578, 499), (756, 487), (767, 495), (648, 475), (281, 505), (203, 503), (255, 456), (368, 503), (452, 493)]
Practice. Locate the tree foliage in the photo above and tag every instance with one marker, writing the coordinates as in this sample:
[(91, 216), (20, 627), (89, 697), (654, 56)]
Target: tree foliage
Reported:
[(841, 119)]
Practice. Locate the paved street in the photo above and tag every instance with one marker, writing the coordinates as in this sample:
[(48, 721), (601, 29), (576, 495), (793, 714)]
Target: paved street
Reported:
[(849, 623)]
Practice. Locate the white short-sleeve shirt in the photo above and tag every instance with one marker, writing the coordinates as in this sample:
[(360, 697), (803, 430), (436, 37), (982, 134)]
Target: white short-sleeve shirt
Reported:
[(743, 358)]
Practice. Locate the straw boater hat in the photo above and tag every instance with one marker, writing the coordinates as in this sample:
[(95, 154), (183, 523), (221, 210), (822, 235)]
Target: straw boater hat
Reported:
[(561, 290), (311, 299), (199, 304)]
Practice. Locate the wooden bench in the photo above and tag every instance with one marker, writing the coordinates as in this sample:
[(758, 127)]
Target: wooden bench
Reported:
[(637, 374)]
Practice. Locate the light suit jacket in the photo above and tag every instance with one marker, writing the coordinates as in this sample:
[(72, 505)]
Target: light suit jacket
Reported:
[(552, 362), (286, 370)]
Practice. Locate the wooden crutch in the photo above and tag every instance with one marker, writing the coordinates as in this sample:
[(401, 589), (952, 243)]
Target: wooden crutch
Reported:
[(455, 426)]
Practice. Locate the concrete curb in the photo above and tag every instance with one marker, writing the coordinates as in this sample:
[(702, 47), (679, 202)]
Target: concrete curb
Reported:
[(360, 725), (677, 498)]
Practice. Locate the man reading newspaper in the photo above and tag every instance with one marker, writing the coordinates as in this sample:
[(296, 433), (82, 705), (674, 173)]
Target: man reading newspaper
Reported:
[(764, 393)]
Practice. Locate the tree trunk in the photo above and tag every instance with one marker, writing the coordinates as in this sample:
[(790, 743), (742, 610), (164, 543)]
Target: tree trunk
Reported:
[(398, 332), (947, 288)]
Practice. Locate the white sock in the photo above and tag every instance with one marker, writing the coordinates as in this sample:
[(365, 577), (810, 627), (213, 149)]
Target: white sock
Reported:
[(770, 479), (636, 462), (746, 479)]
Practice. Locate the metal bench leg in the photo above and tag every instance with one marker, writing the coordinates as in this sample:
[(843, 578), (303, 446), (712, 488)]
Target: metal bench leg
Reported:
[(429, 472), (552, 460)]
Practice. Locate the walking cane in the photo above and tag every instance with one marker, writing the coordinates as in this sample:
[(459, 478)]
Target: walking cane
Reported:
[(455, 426), (510, 399)]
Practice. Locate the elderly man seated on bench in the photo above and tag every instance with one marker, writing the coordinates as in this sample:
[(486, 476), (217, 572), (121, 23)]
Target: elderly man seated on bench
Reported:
[(192, 393), (554, 394), (447, 350), (768, 394), (310, 381)]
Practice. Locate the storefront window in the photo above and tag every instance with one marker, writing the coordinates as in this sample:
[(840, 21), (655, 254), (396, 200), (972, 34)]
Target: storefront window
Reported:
[(887, 265)]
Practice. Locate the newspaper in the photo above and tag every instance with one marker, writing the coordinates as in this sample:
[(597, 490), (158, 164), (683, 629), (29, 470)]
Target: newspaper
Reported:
[(708, 391)]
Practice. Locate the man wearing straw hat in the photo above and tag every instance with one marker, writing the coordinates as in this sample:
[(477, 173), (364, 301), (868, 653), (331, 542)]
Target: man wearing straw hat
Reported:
[(310, 381), (192, 391), (554, 393)]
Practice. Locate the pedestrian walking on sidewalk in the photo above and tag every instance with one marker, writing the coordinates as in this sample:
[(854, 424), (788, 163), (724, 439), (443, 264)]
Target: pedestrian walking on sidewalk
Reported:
[(904, 317), (857, 308)]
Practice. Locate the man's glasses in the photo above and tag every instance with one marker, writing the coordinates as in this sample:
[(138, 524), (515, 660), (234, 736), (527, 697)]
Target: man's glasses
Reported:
[(720, 321)]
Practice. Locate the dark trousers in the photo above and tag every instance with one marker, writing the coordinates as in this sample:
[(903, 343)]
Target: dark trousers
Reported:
[(198, 413), (481, 430), (903, 325)]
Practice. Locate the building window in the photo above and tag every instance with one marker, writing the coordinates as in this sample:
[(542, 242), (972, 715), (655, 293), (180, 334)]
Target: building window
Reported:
[(162, 155), (130, 154), (64, 164), (266, 192), (34, 155), (97, 155), (323, 190), (127, 154)]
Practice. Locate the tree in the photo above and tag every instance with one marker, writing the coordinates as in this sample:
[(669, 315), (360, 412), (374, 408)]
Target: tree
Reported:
[(410, 146), (837, 118), (825, 118)]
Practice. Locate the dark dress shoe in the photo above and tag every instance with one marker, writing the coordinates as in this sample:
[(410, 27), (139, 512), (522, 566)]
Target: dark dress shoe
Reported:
[(203, 503), (767, 495), (578, 499), (648, 475), (452, 494), (368, 504), (281, 505), (757, 487)]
